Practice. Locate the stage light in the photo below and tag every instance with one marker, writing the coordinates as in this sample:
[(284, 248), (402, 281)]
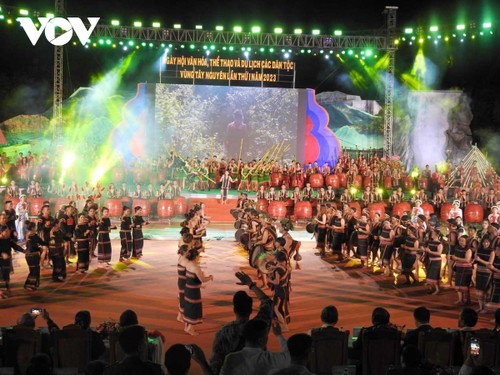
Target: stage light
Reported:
[(231, 48), (183, 46), (278, 30), (151, 45), (224, 48), (327, 57), (380, 191), (212, 47), (125, 48), (143, 44), (207, 53), (368, 53), (246, 54), (297, 31), (413, 192), (316, 32), (262, 49), (23, 12), (137, 24), (255, 29), (237, 29), (115, 23), (2, 17), (101, 42), (350, 52), (446, 39), (271, 49), (68, 159), (156, 24), (9, 21), (131, 43), (50, 15), (337, 32), (421, 40), (408, 30), (198, 27), (286, 55), (177, 25), (354, 190), (4, 180), (487, 25), (460, 27), (434, 29), (321, 51), (219, 28), (191, 46)]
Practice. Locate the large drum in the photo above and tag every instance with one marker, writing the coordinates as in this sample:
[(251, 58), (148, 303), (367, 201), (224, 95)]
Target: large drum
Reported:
[(316, 180), (180, 206), (36, 205), (387, 182), (445, 209), (367, 181), (302, 210), (277, 209), (400, 208), (333, 180), (342, 180), (296, 182), (165, 208), (423, 183), (238, 234), (144, 203), (114, 206), (408, 183), (428, 209), (244, 237), (376, 208), (357, 206), (474, 213), (262, 205), (276, 179), (358, 180)]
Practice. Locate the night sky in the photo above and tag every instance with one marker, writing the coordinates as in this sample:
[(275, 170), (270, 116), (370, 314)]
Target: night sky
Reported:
[(27, 71)]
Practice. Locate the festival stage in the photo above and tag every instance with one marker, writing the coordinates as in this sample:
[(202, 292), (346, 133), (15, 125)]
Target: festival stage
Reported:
[(149, 286)]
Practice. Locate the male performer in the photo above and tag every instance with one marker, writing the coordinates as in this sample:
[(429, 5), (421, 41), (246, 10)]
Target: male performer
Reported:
[(226, 181)]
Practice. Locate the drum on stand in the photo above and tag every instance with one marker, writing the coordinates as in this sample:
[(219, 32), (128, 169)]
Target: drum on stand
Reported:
[(238, 234)]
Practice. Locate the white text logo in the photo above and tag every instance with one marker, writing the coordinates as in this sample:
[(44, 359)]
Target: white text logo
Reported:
[(68, 25)]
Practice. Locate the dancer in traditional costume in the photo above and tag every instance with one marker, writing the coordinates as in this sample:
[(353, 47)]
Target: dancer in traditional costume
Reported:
[(137, 235), (126, 235), (82, 233), (484, 257), (34, 245), (434, 249), (103, 241), (463, 270)]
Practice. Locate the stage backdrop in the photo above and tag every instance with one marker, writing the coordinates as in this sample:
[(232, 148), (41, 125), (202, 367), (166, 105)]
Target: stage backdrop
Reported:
[(204, 120)]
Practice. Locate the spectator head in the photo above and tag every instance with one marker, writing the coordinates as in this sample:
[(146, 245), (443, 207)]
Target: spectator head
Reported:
[(132, 339), (410, 357), (96, 367), (421, 315), (177, 360), (82, 319), (40, 364), (467, 318), (255, 333), (330, 315), (497, 318), (299, 346), (380, 316), (128, 318), (26, 320), (242, 304)]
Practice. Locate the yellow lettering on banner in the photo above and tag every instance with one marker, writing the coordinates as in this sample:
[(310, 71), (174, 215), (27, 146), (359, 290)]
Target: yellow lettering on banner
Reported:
[(187, 74)]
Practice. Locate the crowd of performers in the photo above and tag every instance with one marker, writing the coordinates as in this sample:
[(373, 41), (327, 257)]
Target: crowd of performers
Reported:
[(190, 275), (271, 251), (50, 240)]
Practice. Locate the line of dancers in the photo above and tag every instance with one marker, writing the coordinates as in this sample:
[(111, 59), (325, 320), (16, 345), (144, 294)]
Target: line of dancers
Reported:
[(271, 251), (51, 241), (453, 255)]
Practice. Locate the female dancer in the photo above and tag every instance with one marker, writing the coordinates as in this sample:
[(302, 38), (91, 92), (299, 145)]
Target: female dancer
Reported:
[(434, 249), (22, 216), (410, 247), (103, 240), (34, 245), (363, 230), (93, 221), (82, 241), (485, 256), (126, 235), (463, 270), (193, 308), (181, 279), (279, 279), (495, 294), (138, 221), (56, 251), (287, 244)]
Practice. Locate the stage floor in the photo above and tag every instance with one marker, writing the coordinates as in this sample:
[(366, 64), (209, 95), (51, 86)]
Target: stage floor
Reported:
[(149, 286)]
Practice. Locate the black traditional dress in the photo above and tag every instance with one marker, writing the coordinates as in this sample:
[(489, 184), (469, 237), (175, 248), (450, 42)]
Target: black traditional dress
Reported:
[(56, 251), (181, 284), (126, 237), (137, 235), (483, 274), (193, 308), (103, 241), (33, 248), (82, 247), (409, 256), (433, 263), (5, 257), (463, 270)]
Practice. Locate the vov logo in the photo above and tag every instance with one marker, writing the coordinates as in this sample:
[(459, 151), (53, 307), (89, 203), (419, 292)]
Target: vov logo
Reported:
[(48, 25)]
